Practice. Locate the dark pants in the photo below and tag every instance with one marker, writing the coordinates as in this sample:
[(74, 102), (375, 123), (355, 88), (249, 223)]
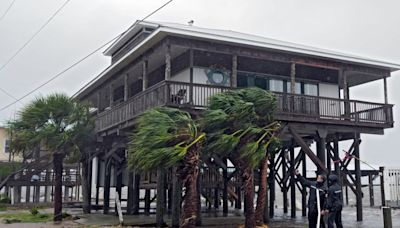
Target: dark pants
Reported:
[(335, 217), (312, 220)]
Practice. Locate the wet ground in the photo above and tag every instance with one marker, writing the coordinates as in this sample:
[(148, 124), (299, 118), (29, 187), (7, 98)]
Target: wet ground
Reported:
[(372, 219)]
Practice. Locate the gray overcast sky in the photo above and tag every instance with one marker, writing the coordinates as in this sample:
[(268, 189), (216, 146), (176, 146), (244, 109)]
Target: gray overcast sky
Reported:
[(368, 28)]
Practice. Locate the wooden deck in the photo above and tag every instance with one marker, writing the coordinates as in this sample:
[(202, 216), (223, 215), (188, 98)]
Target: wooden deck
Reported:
[(291, 108)]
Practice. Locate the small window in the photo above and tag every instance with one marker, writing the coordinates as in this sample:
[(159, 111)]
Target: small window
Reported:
[(7, 146)]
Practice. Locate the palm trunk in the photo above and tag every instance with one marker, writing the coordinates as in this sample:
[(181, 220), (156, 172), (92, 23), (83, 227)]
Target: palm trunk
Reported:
[(86, 194), (190, 172), (58, 169), (248, 178), (262, 193)]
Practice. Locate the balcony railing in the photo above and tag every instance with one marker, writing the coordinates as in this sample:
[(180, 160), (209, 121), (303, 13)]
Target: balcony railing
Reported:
[(299, 108)]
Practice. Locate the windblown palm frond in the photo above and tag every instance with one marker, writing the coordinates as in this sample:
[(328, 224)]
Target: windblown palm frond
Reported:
[(241, 121), (162, 138), (56, 122)]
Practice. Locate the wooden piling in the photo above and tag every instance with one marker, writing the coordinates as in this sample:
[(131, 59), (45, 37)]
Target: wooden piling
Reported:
[(271, 182), (136, 194), (292, 185), (284, 188), (160, 197), (176, 198), (371, 190), (107, 182), (358, 176), (147, 202)]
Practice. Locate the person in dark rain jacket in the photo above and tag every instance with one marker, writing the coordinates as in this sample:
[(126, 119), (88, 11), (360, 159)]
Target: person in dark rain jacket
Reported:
[(312, 199), (334, 202)]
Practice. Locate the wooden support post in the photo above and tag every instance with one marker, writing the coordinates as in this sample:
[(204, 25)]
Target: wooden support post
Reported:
[(98, 101), (191, 63), (136, 194), (118, 186), (98, 182), (321, 146), (336, 157), (129, 209), (17, 194), (144, 74), (284, 188), (292, 185), (346, 95), (147, 202), (328, 158), (387, 217), (293, 78), (126, 86), (225, 190), (66, 189), (358, 176), (216, 196), (371, 190), (382, 182), (176, 198), (304, 190), (160, 197), (28, 194), (385, 90), (107, 182), (234, 71), (199, 219), (45, 199), (238, 203), (111, 91), (271, 182), (36, 197), (168, 63)]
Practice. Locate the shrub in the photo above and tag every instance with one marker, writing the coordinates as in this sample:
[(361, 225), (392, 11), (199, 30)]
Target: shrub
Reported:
[(34, 211)]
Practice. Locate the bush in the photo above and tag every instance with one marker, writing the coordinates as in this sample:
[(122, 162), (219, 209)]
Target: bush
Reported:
[(5, 199), (34, 211)]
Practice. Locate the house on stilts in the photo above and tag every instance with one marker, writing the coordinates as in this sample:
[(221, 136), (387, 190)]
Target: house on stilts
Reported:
[(166, 64)]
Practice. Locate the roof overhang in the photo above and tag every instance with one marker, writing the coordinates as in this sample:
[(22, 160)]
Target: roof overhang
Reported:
[(161, 31)]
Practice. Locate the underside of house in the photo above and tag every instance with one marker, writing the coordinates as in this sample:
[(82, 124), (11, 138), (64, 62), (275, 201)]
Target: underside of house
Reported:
[(165, 64)]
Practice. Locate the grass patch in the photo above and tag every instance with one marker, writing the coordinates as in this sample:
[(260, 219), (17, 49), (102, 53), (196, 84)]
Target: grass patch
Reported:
[(25, 217)]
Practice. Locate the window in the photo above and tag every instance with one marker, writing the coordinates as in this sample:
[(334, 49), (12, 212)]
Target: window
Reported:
[(7, 146), (276, 85), (297, 87), (310, 89)]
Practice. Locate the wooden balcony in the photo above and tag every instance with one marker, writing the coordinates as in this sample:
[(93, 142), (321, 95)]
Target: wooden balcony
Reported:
[(291, 108)]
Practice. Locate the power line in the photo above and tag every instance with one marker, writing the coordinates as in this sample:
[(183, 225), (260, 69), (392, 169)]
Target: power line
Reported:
[(58, 75), (79, 61), (8, 94), (8, 9), (34, 35)]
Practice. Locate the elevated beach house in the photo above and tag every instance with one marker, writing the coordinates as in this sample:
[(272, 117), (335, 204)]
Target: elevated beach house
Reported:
[(167, 64)]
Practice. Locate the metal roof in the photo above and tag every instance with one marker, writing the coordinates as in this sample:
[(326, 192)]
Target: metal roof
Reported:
[(162, 29)]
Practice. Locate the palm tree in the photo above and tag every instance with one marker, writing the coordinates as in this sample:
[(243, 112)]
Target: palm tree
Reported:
[(240, 125), (57, 124), (164, 138)]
